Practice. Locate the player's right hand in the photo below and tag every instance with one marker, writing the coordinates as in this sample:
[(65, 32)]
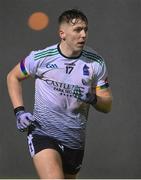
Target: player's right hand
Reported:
[(24, 120)]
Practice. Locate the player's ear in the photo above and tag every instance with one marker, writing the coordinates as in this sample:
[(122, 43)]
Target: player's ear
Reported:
[(62, 34)]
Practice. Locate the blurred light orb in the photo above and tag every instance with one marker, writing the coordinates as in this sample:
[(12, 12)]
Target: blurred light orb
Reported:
[(38, 21)]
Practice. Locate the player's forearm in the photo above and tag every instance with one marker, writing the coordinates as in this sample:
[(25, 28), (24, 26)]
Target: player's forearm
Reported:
[(104, 104), (15, 90)]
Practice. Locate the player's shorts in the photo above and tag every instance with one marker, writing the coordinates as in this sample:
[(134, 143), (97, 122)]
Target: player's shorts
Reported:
[(71, 158)]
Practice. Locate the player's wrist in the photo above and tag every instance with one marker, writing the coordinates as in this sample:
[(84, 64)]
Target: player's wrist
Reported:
[(19, 109)]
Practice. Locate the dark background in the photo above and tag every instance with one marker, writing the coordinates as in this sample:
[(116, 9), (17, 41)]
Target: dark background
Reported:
[(113, 140)]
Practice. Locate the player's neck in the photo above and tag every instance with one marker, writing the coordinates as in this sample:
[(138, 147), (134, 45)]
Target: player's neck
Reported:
[(67, 51)]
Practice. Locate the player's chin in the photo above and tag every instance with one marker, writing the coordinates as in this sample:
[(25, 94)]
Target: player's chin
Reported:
[(80, 47)]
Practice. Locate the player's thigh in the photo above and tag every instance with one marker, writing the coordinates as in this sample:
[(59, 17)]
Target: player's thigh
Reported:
[(48, 164)]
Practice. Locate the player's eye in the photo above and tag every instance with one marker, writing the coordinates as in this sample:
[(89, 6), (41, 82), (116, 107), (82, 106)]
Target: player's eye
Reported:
[(78, 29), (86, 29)]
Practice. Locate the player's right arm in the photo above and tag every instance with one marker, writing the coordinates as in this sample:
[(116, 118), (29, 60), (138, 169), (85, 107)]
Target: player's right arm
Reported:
[(26, 68), (14, 80), (14, 84)]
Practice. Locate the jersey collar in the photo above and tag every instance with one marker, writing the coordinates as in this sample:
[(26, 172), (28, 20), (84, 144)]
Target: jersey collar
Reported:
[(76, 57)]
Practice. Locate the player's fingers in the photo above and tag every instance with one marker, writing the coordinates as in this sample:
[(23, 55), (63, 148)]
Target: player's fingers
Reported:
[(29, 117), (25, 123)]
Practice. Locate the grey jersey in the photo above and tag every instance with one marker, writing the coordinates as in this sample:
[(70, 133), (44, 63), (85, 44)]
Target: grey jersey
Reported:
[(60, 114)]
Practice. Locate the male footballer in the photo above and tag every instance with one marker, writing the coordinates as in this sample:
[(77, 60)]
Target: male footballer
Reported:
[(69, 77)]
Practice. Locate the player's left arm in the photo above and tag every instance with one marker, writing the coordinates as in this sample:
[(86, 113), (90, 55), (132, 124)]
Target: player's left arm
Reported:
[(102, 89), (104, 100)]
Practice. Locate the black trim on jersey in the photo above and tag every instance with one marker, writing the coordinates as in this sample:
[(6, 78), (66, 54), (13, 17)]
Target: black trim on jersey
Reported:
[(58, 46)]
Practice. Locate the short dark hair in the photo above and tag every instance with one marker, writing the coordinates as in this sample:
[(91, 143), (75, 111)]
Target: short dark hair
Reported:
[(69, 15)]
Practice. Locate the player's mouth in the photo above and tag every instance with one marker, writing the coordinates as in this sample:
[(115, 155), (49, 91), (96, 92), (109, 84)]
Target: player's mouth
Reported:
[(81, 43)]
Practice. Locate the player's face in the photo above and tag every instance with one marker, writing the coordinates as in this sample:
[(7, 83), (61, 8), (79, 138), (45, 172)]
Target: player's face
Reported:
[(74, 35)]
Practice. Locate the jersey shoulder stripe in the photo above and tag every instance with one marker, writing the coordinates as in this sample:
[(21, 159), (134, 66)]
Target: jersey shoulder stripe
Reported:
[(93, 56), (45, 53), (49, 51)]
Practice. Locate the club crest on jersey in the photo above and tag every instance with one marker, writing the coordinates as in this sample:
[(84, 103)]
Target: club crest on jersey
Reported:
[(86, 70)]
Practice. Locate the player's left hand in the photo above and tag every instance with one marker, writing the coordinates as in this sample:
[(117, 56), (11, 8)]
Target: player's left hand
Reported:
[(85, 97), (89, 98)]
